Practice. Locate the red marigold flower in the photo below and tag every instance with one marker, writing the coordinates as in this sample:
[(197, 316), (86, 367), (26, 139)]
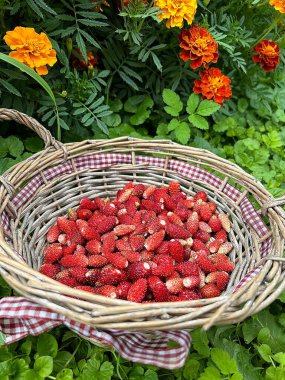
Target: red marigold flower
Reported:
[(79, 63), (213, 85), (198, 46), (268, 54)]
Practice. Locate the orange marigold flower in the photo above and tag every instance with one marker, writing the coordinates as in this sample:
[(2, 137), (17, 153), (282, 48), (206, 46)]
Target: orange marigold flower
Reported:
[(279, 5), (213, 85), (267, 54), (78, 61), (176, 11), (33, 49), (198, 46)]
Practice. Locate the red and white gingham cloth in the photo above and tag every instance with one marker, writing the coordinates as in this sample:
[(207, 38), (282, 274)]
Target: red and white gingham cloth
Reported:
[(19, 317)]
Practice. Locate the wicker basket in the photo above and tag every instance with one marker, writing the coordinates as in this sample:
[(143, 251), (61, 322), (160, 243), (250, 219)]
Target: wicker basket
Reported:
[(34, 192)]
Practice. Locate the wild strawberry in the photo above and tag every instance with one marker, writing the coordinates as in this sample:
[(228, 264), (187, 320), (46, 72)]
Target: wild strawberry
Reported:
[(220, 279), (137, 219), (146, 255), (197, 206), (149, 205), (72, 214), (86, 288), (174, 219), (93, 247), (163, 269), (202, 277), (176, 250), (182, 213), (74, 237), (205, 212), (192, 223), (174, 285), (131, 256), (203, 226), (88, 204), (69, 281), (158, 288), (136, 242), (163, 248), (221, 235), (178, 197), (68, 249), (131, 207), (107, 291), (187, 253), (84, 213), (187, 268), (139, 190), (129, 185), (205, 263), (80, 250), (110, 209), (191, 282), (92, 276), (174, 187), (63, 274), (137, 290), (210, 291), (153, 226), (78, 260), (203, 236), (100, 204), (124, 229), (200, 195), (154, 241), (107, 223), (212, 206), (198, 245), (124, 195), (117, 260), (173, 298), (189, 202), (138, 270), (79, 274), (214, 246), (188, 295), (226, 224), (52, 253), (140, 229), (215, 223), (223, 263), (53, 234), (97, 261), (81, 223), (65, 225), (147, 215), (149, 191), (169, 204), (50, 270), (89, 233), (123, 289), (225, 248), (123, 245), (159, 195), (109, 242), (177, 232), (110, 276)]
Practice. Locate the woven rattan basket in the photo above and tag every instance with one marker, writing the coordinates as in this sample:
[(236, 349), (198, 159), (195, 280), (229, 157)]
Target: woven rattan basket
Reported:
[(34, 192)]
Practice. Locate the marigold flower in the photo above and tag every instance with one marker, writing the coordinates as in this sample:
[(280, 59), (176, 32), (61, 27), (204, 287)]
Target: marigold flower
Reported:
[(213, 85), (78, 61), (33, 49), (198, 46), (279, 5), (268, 53), (176, 11)]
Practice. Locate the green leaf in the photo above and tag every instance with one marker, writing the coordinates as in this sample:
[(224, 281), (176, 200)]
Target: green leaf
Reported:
[(10, 87), (61, 360), (265, 352), (242, 105), (263, 335), (210, 373), (198, 121), (2, 339), (150, 375), (192, 103), (128, 80), (65, 374), (174, 123), (81, 45), (47, 345), (275, 373), (44, 366), (207, 108), (191, 369), (174, 104), (33, 144), (280, 358), (182, 133), (106, 371), (223, 361), (201, 342), (15, 146), (113, 120)]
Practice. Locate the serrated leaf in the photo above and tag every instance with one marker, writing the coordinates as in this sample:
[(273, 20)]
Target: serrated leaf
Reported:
[(275, 373), (33, 144), (265, 352), (15, 146), (35, 8), (10, 87), (263, 335), (201, 342), (89, 22), (207, 108), (81, 45), (279, 358), (182, 133), (191, 369), (47, 345), (174, 123), (192, 103), (198, 121), (128, 80), (210, 373), (90, 39), (223, 361), (44, 6), (173, 101), (65, 374), (132, 73), (44, 366)]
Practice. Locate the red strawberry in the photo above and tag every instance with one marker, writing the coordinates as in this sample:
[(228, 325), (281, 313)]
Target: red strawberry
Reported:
[(204, 262), (215, 223), (123, 289), (107, 291), (149, 191), (147, 215), (110, 209), (68, 250), (163, 270), (200, 195), (63, 274), (99, 203), (163, 248), (187, 268), (198, 245), (50, 270), (212, 206), (159, 289), (210, 291), (68, 281), (197, 206), (174, 285), (182, 213), (191, 282), (109, 242), (154, 241), (53, 234), (225, 248), (52, 253), (62, 239), (117, 260), (226, 224), (220, 279), (187, 253), (147, 204), (177, 232), (169, 204), (97, 261), (89, 233), (205, 212), (131, 256), (124, 229), (203, 236), (137, 290), (65, 225), (86, 288), (107, 223), (153, 226), (136, 242), (78, 260), (138, 270), (84, 213), (203, 226), (189, 202), (146, 255), (74, 237), (192, 223), (124, 195), (79, 274), (139, 190), (93, 247), (123, 245), (88, 204), (92, 276), (214, 246), (221, 235), (176, 250), (223, 263), (188, 295), (174, 218), (174, 187), (80, 250), (110, 276)]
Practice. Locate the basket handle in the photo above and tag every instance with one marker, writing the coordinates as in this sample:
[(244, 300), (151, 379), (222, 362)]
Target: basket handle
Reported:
[(34, 125)]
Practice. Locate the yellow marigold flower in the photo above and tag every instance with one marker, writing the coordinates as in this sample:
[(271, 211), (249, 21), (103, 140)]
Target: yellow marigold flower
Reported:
[(176, 11), (279, 5), (33, 49)]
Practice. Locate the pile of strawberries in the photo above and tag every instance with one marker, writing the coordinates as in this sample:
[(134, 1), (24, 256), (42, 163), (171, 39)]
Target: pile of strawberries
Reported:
[(149, 244)]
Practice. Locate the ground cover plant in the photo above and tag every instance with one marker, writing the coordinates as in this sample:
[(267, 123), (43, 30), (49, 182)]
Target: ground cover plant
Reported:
[(208, 74)]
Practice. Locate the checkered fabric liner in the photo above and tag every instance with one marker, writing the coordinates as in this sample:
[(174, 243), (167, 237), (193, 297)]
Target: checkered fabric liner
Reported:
[(19, 317)]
